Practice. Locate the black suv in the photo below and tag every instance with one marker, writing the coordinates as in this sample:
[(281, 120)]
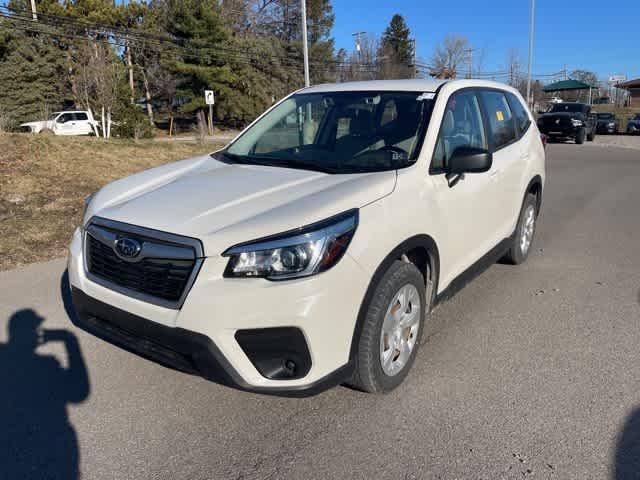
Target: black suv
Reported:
[(569, 120), (607, 123)]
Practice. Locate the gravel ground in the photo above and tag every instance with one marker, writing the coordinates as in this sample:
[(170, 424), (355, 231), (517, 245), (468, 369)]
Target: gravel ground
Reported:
[(627, 141)]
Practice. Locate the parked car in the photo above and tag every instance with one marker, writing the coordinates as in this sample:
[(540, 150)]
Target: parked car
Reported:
[(287, 264), (569, 120), (607, 123), (633, 125), (77, 122), (556, 100)]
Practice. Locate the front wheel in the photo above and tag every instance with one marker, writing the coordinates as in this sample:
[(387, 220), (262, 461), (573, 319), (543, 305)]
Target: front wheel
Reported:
[(525, 230), (392, 329), (580, 136)]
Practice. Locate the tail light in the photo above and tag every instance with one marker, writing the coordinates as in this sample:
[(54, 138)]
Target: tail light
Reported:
[(543, 137)]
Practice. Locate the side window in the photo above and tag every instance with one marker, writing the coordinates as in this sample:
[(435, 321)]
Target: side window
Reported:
[(519, 112), (65, 117), (462, 126), (501, 125), (80, 116)]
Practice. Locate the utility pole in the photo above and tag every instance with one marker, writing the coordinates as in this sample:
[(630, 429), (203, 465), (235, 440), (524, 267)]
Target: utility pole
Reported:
[(414, 70), (469, 57), (356, 36), (34, 13), (531, 29), (305, 47)]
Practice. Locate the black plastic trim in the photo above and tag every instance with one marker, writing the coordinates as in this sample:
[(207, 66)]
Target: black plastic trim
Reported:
[(486, 261), (278, 353), (178, 348)]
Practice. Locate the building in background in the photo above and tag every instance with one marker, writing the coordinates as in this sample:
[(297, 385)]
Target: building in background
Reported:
[(633, 87)]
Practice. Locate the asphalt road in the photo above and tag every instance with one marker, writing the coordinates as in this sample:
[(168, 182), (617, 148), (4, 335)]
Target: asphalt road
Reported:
[(529, 372)]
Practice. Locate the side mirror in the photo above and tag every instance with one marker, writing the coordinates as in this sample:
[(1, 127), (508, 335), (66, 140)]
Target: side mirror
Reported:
[(470, 160)]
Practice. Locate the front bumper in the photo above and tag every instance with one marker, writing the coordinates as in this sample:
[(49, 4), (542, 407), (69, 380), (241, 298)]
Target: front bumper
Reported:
[(560, 131), (202, 337), (605, 129)]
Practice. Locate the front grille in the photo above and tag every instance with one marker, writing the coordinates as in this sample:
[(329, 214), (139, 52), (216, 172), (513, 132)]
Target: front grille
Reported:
[(551, 122), (161, 273)]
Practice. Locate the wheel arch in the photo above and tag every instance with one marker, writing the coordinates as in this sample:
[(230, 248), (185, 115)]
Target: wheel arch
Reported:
[(422, 251), (535, 187)]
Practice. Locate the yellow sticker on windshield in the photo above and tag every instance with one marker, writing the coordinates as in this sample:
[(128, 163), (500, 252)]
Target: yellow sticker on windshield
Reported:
[(500, 116)]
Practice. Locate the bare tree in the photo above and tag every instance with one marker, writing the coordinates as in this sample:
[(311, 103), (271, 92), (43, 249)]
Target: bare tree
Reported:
[(513, 67), (448, 56), (361, 64), (97, 75)]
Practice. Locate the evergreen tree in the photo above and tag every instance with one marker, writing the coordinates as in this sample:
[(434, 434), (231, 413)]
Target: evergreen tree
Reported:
[(396, 41), (32, 74)]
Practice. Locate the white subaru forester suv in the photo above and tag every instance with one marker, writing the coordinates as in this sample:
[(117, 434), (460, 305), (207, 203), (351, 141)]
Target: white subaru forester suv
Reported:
[(310, 251)]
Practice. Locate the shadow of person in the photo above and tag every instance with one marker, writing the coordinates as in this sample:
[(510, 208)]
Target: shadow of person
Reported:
[(36, 438), (627, 459)]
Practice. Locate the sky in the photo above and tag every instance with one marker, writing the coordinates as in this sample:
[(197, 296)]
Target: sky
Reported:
[(591, 34)]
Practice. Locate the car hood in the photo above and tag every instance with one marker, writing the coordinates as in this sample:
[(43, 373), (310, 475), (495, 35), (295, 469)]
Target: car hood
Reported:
[(225, 204)]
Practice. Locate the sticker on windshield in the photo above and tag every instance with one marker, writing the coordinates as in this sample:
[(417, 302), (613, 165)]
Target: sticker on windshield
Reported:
[(426, 96), (500, 116)]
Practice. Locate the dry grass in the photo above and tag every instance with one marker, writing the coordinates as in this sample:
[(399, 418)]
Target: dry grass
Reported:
[(44, 179)]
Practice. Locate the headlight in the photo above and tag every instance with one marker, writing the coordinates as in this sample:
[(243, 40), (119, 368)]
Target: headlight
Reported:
[(294, 254), (576, 123), (611, 124)]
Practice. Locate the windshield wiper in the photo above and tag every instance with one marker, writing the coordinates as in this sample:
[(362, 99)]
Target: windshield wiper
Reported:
[(295, 163)]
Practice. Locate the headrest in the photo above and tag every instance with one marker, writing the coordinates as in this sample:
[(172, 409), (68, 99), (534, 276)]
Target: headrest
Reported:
[(448, 124)]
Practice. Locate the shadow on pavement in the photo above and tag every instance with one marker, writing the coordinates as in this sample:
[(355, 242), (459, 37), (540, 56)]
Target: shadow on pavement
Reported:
[(627, 460), (36, 438)]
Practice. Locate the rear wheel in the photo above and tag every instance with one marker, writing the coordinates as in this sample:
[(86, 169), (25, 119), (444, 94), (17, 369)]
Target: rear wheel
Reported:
[(580, 136), (392, 330), (525, 230)]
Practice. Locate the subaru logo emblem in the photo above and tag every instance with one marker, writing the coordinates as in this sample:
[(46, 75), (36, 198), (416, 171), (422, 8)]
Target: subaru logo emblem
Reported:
[(127, 248), (558, 121)]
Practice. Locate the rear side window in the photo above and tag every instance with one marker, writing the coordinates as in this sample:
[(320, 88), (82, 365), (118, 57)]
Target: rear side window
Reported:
[(519, 112), (80, 116), (502, 127)]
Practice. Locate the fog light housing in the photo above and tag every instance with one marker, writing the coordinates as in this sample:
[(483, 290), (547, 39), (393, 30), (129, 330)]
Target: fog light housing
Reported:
[(279, 353)]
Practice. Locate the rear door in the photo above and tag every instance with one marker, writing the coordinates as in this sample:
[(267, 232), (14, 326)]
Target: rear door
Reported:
[(508, 161), (81, 126)]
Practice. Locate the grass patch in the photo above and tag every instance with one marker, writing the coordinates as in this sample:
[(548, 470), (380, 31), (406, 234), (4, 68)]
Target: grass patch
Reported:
[(44, 180)]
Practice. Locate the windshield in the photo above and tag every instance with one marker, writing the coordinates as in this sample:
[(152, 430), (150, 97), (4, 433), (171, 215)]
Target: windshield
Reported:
[(338, 132), (54, 115), (567, 107), (605, 116)]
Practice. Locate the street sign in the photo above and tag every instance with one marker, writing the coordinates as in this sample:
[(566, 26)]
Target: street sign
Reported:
[(617, 78), (208, 97)]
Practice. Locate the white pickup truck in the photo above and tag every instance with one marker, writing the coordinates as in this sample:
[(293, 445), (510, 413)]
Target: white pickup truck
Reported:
[(75, 122)]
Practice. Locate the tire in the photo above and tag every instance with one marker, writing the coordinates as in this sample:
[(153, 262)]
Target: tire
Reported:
[(580, 136), (519, 249), (372, 373)]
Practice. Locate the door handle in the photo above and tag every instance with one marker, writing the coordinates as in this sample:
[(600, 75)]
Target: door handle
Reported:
[(494, 173)]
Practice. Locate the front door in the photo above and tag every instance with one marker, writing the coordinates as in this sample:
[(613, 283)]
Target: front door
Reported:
[(468, 201)]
